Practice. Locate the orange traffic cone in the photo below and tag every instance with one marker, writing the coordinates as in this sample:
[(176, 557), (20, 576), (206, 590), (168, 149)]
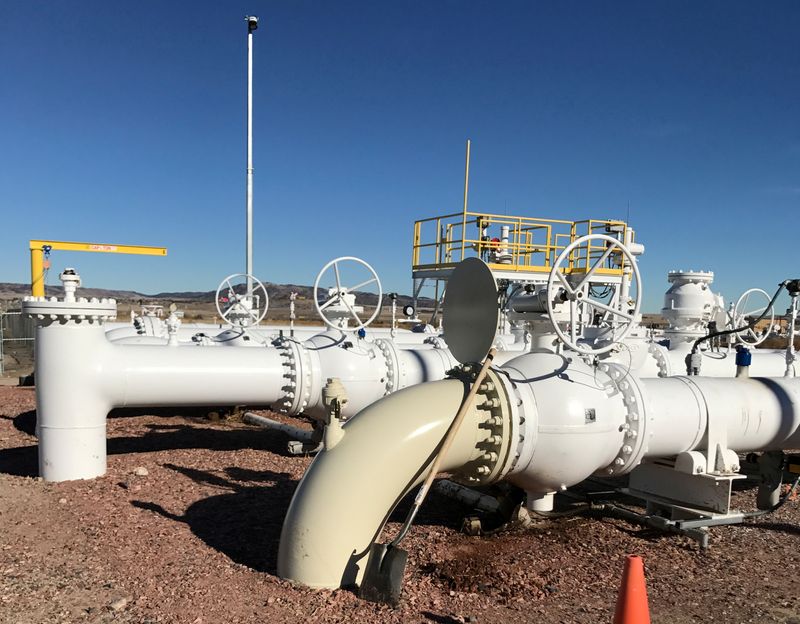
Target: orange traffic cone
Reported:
[(632, 601)]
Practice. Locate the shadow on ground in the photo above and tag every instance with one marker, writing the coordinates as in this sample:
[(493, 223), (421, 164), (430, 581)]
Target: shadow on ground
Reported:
[(244, 523), (25, 422), (167, 437), (22, 461)]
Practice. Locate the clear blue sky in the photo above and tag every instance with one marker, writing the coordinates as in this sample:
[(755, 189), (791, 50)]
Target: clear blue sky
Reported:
[(124, 123)]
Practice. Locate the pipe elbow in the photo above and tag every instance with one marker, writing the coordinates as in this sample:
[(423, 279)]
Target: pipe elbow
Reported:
[(349, 491)]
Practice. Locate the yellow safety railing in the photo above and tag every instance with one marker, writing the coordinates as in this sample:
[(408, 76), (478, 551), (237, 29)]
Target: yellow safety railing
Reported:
[(533, 244)]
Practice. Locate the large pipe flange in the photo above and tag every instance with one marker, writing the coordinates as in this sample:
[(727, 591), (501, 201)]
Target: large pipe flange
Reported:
[(661, 356), (634, 446), (297, 373), (45, 310), (389, 353), (499, 432)]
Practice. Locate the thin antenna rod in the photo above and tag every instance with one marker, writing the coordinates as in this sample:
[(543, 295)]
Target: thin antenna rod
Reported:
[(466, 178), (252, 25)]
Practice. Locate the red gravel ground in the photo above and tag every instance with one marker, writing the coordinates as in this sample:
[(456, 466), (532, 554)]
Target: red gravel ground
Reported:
[(195, 541)]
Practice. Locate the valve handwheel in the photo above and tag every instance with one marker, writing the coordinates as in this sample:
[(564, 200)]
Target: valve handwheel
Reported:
[(581, 303), (339, 296), (744, 309), (237, 308)]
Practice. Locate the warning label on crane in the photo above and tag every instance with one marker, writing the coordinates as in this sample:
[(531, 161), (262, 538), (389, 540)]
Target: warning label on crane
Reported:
[(102, 247)]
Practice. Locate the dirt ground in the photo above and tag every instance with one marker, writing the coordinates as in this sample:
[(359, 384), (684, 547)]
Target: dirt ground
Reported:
[(195, 541)]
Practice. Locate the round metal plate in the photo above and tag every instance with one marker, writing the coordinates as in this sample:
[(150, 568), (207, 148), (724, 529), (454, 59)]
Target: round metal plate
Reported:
[(471, 311)]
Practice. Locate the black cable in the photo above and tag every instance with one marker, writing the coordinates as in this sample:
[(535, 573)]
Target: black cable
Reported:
[(508, 298), (600, 295), (776, 506), (726, 332)]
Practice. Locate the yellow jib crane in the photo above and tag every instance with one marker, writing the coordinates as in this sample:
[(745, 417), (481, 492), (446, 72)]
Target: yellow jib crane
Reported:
[(40, 252)]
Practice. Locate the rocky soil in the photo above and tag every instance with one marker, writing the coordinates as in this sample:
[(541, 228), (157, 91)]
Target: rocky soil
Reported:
[(184, 528)]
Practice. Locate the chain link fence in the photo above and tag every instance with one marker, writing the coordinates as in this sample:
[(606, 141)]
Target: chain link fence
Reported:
[(16, 342)]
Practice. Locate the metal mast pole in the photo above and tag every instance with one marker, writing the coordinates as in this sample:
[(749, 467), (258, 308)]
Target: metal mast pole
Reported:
[(791, 356), (466, 196), (466, 177), (252, 25)]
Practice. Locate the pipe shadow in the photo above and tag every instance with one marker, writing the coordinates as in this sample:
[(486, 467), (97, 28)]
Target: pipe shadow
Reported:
[(189, 412), (168, 437), (440, 619), (438, 510), (244, 523), (24, 422), (21, 461), (780, 527), (648, 534)]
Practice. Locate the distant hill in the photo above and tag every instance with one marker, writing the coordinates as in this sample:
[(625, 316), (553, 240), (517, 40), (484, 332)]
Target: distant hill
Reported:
[(277, 293)]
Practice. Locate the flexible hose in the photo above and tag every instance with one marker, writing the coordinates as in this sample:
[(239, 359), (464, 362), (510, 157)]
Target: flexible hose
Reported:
[(445, 446), (776, 506)]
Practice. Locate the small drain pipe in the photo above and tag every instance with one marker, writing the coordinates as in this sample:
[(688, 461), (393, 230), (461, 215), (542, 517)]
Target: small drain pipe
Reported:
[(295, 433)]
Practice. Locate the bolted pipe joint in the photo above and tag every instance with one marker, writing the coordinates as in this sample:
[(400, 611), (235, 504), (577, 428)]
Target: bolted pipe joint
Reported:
[(81, 376), (556, 422)]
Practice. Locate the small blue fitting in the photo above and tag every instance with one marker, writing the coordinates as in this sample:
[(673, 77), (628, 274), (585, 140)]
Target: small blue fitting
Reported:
[(362, 333), (743, 356)]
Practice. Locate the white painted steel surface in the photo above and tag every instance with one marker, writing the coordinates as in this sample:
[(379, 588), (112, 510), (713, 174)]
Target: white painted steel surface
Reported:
[(571, 421), (689, 304), (80, 377)]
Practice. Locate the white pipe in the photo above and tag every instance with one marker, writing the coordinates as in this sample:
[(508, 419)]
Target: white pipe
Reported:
[(155, 327), (296, 433), (80, 377), (369, 370), (760, 414), (572, 413), (554, 422), (765, 362)]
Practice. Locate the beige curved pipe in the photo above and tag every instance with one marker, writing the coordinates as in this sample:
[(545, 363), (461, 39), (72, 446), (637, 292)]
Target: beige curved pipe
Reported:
[(349, 491)]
